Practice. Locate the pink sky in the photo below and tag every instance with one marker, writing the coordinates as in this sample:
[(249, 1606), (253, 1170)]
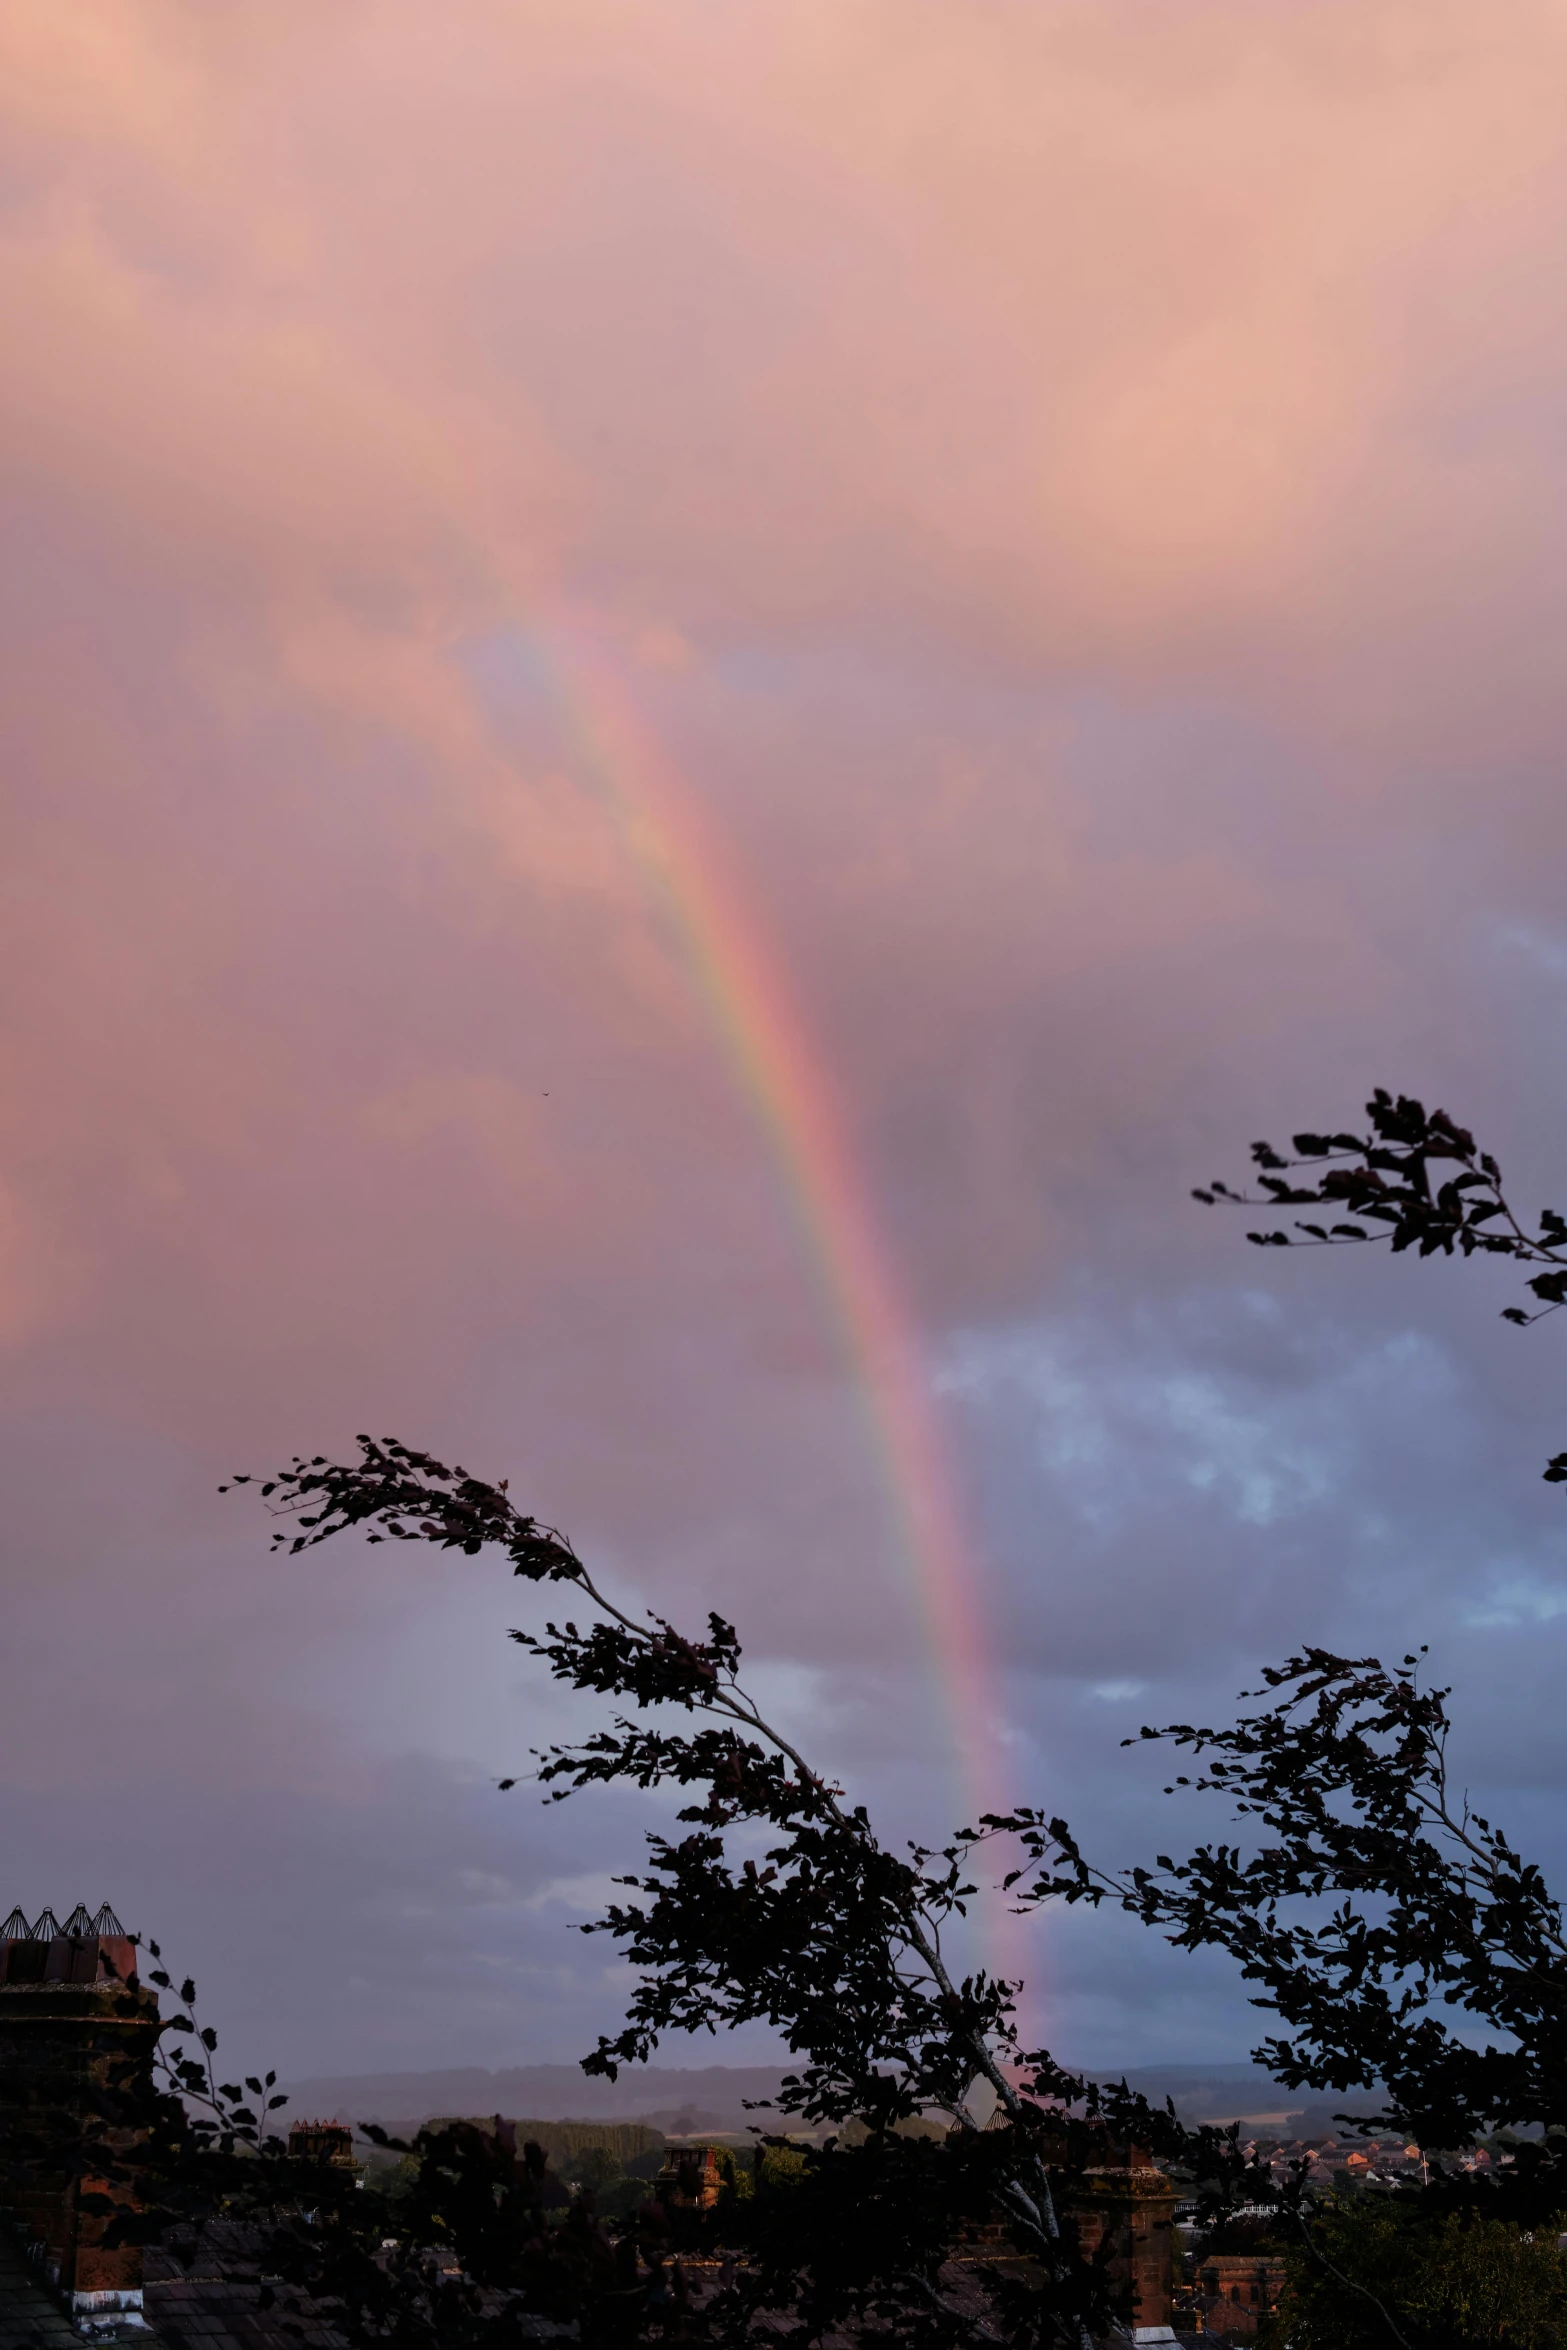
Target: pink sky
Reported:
[(1076, 493)]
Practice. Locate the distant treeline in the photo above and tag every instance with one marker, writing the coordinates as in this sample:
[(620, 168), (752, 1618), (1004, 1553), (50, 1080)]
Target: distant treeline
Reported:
[(564, 2141)]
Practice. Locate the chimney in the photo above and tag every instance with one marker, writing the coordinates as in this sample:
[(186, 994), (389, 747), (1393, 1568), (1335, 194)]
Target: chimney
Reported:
[(1123, 2208), (77, 2034), (1120, 2208)]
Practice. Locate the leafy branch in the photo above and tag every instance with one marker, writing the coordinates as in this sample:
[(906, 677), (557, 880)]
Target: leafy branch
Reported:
[(1385, 1179), (1376, 1901), (184, 2067), (830, 1938)]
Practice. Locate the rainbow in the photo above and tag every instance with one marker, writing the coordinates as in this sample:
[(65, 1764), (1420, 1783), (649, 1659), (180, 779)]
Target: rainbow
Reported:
[(741, 982)]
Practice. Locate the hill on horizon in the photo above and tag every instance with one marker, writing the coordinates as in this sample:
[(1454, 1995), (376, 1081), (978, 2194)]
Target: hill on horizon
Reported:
[(716, 2096), (713, 2096)]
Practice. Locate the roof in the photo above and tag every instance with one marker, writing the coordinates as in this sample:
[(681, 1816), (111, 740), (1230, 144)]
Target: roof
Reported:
[(224, 2313), (30, 2317), (206, 2293)]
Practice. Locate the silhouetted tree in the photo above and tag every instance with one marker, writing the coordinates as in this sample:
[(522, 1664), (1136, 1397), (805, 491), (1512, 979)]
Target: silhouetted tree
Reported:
[(1376, 1916), (832, 1939)]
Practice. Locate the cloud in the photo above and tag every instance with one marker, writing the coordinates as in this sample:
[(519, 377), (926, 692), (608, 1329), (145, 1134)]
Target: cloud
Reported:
[(1074, 495)]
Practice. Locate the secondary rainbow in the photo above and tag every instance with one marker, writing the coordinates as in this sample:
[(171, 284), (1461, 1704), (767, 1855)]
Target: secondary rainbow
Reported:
[(666, 832)]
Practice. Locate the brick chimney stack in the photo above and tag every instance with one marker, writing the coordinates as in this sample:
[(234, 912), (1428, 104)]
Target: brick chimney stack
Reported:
[(77, 2033), (1120, 2208)]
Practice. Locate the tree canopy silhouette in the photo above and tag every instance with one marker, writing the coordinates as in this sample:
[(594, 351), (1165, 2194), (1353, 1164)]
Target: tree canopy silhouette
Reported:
[(1402, 1944)]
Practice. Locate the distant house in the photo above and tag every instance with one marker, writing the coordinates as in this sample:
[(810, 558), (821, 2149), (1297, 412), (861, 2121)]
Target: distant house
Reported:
[(1237, 2290), (329, 2142)]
